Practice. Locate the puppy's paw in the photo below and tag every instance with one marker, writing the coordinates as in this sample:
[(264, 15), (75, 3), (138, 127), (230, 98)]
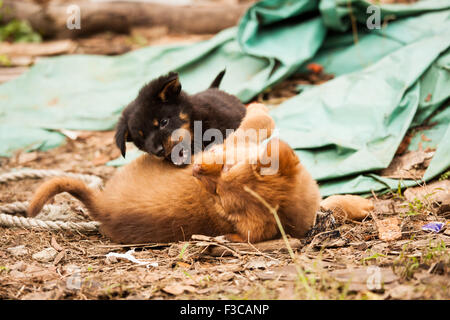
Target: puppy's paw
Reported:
[(348, 206), (234, 237)]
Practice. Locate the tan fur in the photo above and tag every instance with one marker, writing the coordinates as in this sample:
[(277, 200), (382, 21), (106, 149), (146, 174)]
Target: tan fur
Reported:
[(238, 145), (348, 206), (148, 200), (184, 116), (257, 118), (292, 189)]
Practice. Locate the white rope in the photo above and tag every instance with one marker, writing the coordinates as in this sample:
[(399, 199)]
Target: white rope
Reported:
[(91, 180), (50, 213)]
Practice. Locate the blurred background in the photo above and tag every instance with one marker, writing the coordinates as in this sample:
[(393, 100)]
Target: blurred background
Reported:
[(360, 89), (107, 27)]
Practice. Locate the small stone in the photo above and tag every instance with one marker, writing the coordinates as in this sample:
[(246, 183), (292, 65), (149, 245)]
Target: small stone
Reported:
[(178, 289), (226, 276), (18, 251), (256, 264), (403, 292), (45, 255), (17, 274), (39, 296), (389, 229), (19, 266), (111, 260)]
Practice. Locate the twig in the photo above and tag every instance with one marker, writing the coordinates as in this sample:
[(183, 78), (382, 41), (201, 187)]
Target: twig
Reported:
[(259, 252), (147, 245), (235, 252), (353, 21), (374, 195)]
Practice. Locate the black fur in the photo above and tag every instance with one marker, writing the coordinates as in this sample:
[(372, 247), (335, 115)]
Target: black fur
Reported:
[(162, 107), (218, 79)]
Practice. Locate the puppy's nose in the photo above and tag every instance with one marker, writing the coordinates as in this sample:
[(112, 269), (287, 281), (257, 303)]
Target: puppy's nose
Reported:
[(159, 151)]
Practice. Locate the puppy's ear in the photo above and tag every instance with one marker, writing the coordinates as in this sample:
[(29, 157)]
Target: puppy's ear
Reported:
[(170, 88), (122, 134)]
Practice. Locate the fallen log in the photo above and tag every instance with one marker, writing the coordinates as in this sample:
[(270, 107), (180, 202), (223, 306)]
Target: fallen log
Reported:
[(7, 74), (49, 48), (52, 19)]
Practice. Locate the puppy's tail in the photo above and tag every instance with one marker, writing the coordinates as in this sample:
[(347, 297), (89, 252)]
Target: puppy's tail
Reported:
[(218, 79), (77, 188)]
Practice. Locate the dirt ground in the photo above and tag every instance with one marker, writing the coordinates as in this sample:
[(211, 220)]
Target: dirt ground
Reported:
[(386, 256)]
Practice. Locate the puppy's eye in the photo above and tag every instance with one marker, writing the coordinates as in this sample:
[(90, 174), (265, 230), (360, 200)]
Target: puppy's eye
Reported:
[(163, 123), (141, 133)]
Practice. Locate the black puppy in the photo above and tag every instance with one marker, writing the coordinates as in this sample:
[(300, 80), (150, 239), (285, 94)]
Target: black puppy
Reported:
[(162, 107)]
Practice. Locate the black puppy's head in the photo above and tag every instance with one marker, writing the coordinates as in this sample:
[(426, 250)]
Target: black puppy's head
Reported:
[(159, 109)]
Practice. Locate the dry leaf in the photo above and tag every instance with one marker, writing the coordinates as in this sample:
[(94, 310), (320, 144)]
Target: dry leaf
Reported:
[(59, 257), (315, 68), (410, 165), (25, 157), (404, 144), (389, 229), (438, 191), (55, 244), (177, 289), (183, 265)]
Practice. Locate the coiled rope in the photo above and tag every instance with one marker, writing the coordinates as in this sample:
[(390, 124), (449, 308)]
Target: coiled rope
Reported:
[(52, 217)]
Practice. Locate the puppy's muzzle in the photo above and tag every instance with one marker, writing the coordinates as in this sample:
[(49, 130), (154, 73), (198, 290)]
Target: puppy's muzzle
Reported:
[(158, 151)]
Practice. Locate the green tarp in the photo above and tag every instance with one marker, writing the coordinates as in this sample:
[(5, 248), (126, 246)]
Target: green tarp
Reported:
[(391, 79)]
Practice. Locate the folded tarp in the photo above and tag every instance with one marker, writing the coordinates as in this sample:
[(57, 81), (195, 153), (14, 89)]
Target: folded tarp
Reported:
[(344, 130)]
